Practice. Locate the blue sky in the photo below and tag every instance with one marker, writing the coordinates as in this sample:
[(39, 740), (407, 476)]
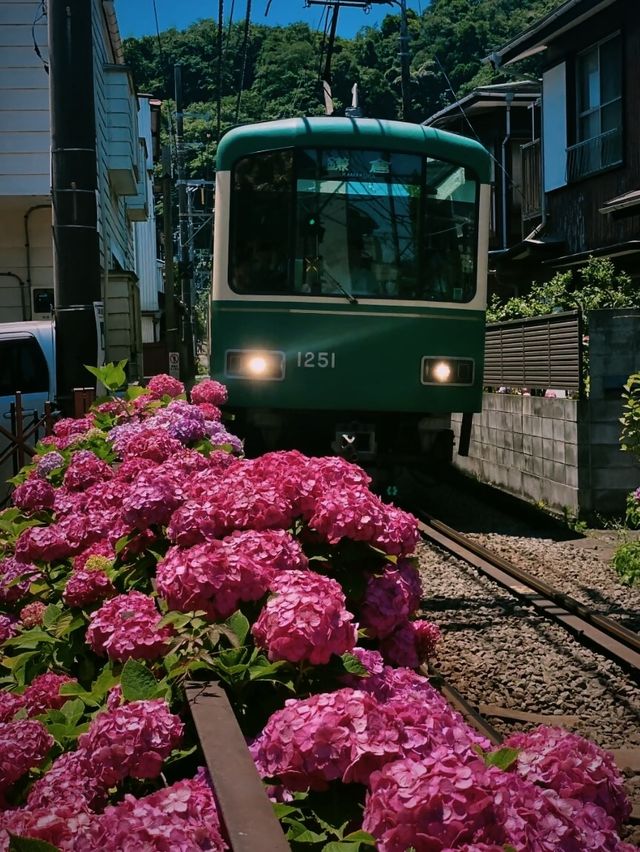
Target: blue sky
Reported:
[(136, 17)]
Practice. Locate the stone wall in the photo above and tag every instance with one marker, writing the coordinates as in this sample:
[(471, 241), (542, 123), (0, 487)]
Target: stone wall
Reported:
[(527, 446)]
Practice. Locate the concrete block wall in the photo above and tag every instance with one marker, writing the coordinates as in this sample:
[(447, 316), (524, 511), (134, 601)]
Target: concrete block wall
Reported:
[(527, 446), (564, 452)]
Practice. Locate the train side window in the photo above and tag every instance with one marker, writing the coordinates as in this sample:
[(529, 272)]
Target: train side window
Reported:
[(23, 367)]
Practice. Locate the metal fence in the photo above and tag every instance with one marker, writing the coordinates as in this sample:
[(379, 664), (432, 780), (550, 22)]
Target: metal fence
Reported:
[(538, 353)]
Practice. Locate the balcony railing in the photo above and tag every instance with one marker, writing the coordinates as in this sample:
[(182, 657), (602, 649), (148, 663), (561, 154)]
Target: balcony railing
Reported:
[(594, 155), (531, 180)]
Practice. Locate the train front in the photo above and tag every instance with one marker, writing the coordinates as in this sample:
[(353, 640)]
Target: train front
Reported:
[(349, 284)]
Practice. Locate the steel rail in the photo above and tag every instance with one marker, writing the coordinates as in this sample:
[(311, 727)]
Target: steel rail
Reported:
[(612, 639)]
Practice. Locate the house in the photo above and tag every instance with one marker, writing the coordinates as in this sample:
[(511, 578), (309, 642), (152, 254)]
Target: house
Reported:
[(505, 118), (123, 199), (590, 163)]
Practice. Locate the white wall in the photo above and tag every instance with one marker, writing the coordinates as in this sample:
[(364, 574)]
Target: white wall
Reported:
[(24, 101)]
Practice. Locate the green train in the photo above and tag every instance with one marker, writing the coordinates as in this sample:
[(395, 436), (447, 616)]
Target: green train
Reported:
[(349, 285)]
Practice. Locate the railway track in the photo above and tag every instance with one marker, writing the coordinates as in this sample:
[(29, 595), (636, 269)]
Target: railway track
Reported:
[(603, 634)]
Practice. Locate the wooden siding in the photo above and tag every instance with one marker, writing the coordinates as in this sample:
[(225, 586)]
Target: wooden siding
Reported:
[(574, 209), (24, 102)]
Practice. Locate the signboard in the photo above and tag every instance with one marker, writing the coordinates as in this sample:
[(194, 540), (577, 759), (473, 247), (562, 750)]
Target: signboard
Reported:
[(174, 364)]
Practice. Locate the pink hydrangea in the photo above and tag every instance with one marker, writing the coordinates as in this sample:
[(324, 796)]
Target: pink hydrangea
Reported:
[(16, 577), (32, 614), (43, 693), (236, 502), (84, 470), (331, 472), (428, 721), (23, 745), (344, 734), (86, 586), (427, 636), (152, 443), (572, 766), (209, 411), (411, 644), (70, 536), (70, 781), (127, 627), (306, 619), (70, 426), (432, 804), (215, 576), (99, 548), (151, 500), (164, 385), (132, 467), (10, 703), (182, 817), (131, 741), (209, 391), (361, 516), (8, 626), (58, 824), (34, 495), (390, 599)]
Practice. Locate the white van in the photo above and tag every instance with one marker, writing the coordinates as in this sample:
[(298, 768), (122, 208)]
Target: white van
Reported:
[(27, 364)]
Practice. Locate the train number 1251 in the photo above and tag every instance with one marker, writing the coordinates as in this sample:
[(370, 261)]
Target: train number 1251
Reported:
[(317, 359)]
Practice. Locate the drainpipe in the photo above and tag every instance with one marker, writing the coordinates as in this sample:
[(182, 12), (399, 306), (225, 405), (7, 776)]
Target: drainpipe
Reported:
[(27, 245), (505, 142), (23, 291)]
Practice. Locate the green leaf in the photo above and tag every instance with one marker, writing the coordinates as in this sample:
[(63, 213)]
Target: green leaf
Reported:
[(361, 837), (29, 844), (353, 665), (51, 614), (240, 625), (134, 391), (137, 682), (504, 758), (73, 711)]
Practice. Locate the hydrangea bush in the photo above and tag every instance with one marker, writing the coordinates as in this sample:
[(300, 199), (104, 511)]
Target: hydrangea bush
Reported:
[(142, 549)]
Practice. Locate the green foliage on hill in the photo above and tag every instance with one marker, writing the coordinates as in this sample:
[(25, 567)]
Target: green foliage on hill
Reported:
[(280, 75)]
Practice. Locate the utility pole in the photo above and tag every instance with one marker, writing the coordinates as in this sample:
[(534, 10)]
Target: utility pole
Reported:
[(76, 250), (404, 63), (183, 217), (167, 222)]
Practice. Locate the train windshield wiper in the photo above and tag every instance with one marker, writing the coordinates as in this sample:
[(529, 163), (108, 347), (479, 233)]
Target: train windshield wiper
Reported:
[(349, 296)]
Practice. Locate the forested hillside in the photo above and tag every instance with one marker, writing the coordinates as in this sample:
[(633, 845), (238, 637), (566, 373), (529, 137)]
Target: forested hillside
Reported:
[(275, 71)]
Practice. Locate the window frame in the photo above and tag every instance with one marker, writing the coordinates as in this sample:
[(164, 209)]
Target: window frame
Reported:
[(292, 231), (581, 114)]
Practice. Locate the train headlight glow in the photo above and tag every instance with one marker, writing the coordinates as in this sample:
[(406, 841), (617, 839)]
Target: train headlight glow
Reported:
[(439, 370), (255, 365)]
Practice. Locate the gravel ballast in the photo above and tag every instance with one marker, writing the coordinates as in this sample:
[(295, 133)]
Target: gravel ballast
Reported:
[(498, 651)]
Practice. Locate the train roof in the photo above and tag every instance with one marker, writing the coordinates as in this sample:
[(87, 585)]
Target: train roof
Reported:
[(353, 132)]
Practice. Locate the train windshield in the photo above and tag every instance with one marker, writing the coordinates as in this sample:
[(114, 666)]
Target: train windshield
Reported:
[(357, 223)]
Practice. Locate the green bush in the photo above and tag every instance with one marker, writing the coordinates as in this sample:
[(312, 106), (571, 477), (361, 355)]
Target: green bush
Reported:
[(626, 561)]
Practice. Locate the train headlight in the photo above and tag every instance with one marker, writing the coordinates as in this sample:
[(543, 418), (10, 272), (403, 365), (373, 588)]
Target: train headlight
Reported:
[(441, 371), (437, 370), (255, 365)]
